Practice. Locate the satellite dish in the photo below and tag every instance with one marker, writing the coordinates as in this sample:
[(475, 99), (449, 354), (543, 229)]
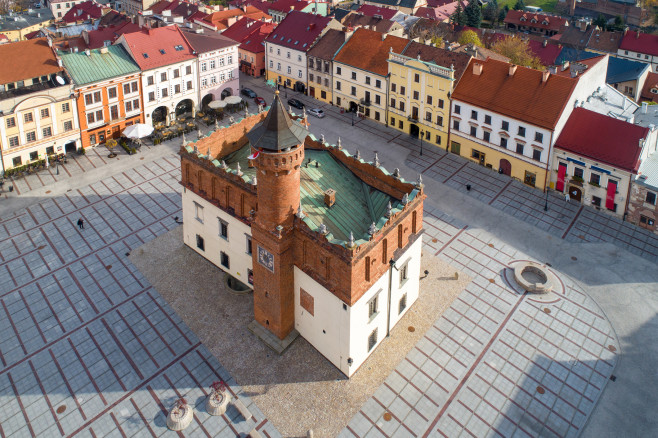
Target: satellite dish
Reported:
[(60, 80)]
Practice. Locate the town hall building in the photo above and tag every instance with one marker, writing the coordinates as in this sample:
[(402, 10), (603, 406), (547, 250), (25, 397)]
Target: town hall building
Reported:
[(329, 242)]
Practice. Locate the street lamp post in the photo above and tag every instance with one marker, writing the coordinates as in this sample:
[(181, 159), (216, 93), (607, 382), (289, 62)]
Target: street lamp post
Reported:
[(546, 204), (422, 134), (352, 117)]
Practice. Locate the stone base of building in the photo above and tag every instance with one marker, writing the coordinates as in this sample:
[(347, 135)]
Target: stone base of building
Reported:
[(269, 339)]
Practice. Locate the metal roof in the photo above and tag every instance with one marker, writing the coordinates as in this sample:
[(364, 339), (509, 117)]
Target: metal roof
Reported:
[(97, 66), (648, 173), (278, 131)]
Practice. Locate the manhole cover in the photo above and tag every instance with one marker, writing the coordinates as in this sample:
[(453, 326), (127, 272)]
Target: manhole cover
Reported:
[(108, 267), (61, 409), (387, 416), (141, 158), (412, 328), (574, 258), (47, 191), (41, 247), (434, 240), (612, 348), (582, 236), (547, 310), (491, 280), (491, 245), (540, 390)]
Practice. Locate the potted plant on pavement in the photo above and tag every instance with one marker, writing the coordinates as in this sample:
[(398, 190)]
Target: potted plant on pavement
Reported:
[(110, 145)]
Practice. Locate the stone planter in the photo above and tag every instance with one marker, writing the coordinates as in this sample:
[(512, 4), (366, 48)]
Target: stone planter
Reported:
[(217, 402), (180, 416)]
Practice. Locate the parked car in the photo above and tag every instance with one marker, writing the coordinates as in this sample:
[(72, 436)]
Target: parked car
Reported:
[(317, 112), (248, 92), (260, 101), (296, 103)]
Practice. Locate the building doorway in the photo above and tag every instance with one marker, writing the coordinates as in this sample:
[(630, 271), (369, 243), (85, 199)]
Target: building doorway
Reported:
[(206, 100), (226, 92), (353, 107), (70, 147), (505, 167), (414, 130), (184, 106), (159, 115), (455, 148), (575, 193), (530, 179), (116, 132)]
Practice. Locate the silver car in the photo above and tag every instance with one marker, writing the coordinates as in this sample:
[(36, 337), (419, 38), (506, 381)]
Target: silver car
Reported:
[(317, 112)]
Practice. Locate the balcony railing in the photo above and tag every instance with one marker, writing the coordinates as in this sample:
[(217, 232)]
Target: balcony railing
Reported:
[(365, 102), (413, 118)]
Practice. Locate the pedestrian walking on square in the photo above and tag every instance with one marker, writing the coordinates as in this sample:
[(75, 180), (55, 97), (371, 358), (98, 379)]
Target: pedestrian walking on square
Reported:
[(567, 198), (81, 224)]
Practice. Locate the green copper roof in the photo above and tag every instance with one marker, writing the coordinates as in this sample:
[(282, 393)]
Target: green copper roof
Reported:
[(95, 67), (357, 204)]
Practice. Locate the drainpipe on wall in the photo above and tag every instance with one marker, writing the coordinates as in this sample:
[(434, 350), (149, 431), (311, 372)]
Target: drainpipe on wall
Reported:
[(628, 196), (449, 120), (391, 265), (548, 163), (387, 78)]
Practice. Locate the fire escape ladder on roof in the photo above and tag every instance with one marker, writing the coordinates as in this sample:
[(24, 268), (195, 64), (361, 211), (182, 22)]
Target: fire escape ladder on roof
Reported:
[(366, 193)]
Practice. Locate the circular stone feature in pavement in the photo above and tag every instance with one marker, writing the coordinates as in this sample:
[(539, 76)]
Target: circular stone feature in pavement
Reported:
[(540, 390), (387, 416), (412, 329), (61, 409), (538, 280), (547, 310), (612, 348)]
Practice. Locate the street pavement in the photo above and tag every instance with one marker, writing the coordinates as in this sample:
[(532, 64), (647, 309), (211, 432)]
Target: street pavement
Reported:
[(90, 348)]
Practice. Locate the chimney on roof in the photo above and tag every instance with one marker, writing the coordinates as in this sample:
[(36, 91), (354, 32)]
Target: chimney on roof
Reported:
[(645, 107), (329, 197), (383, 37), (59, 62), (477, 68), (544, 43), (565, 65), (512, 69), (637, 35), (87, 52), (544, 76)]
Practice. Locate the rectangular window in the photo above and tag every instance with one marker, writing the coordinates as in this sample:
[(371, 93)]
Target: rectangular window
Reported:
[(487, 120), (486, 136), (66, 107), (188, 70), (429, 100), (112, 93), (68, 125), (519, 148), (536, 154), (402, 91), (353, 91), (354, 75), (367, 80), (578, 172), (393, 88), (47, 132), (378, 99), (11, 122), (126, 88), (189, 85), (249, 246), (372, 340), (503, 142), (28, 118), (149, 80), (403, 304), (416, 95), (223, 229), (34, 155), (539, 137), (474, 131), (474, 115), (439, 120), (92, 139), (393, 121), (114, 112), (224, 260), (212, 64), (198, 212), (338, 70), (337, 85), (416, 78), (428, 116), (378, 83), (151, 96), (505, 126), (404, 274), (45, 113), (458, 109), (13, 141), (440, 103), (650, 198), (400, 124), (373, 307), (455, 125), (521, 131), (199, 243), (595, 178), (392, 103), (401, 106), (176, 73), (176, 89), (165, 92), (17, 161), (163, 77), (31, 136)]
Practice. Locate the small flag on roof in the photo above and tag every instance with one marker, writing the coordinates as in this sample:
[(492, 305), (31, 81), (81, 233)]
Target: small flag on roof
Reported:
[(254, 155)]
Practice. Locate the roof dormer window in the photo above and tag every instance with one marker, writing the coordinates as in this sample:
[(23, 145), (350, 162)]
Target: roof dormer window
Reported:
[(162, 51), (178, 48), (145, 55)]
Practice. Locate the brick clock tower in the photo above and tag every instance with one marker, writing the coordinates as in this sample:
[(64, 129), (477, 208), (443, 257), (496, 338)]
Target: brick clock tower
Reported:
[(278, 152)]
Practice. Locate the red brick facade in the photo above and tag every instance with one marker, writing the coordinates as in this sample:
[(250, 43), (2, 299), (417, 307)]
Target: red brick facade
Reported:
[(641, 212), (347, 272)]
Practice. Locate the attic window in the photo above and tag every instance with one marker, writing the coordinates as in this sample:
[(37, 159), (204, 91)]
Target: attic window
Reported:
[(305, 45), (145, 55), (162, 51), (289, 39), (523, 19), (296, 42), (178, 48), (654, 90)]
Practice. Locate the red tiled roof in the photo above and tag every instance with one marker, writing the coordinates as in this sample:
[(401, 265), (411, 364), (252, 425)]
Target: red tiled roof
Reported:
[(522, 96), (242, 28), (98, 37), (650, 84), (84, 11), (546, 54), (298, 30), (603, 139), (430, 13), (547, 22), (368, 50), (372, 10), (150, 42), (221, 20), (30, 59), (640, 42), (287, 5), (254, 43)]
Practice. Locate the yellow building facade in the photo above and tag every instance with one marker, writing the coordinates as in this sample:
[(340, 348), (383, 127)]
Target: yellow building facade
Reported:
[(419, 98)]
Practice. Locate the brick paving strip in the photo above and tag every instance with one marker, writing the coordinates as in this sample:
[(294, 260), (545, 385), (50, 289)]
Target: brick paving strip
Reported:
[(498, 361), (86, 338)]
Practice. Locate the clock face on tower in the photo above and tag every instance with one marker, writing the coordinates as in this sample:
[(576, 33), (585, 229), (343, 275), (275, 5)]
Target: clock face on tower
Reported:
[(266, 258)]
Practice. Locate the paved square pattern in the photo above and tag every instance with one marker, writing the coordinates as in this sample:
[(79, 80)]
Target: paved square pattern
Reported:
[(89, 348)]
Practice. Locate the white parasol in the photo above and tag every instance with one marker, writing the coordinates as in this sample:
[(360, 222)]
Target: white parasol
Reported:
[(233, 100), (217, 104), (138, 130)]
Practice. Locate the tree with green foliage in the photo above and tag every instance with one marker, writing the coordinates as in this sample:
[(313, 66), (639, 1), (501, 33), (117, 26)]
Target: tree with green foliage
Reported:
[(503, 13), (470, 37), (437, 41), (519, 5), (619, 24), (490, 12), (518, 51), (600, 21), (458, 17), (473, 14)]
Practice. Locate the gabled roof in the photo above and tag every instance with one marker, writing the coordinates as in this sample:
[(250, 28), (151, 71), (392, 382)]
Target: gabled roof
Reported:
[(429, 13), (328, 45), (286, 6), (208, 41), (95, 67), (640, 42), (152, 48), (445, 58), (648, 173), (575, 68), (576, 38), (241, 29), (255, 42), (547, 53), (30, 59), (622, 70), (97, 38), (368, 50), (298, 30), (223, 19), (26, 19), (522, 96), (278, 131), (372, 10), (354, 20), (605, 41), (540, 21), (410, 4), (89, 10), (603, 139), (650, 84)]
